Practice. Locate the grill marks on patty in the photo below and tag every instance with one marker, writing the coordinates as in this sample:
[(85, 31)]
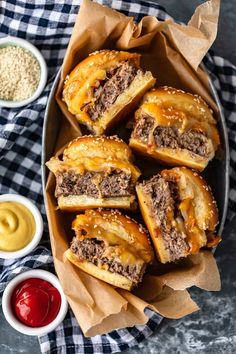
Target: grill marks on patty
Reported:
[(164, 203), (169, 137), (115, 183), (105, 92), (92, 250)]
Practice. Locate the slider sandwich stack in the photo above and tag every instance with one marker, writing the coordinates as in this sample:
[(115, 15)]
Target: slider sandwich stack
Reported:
[(111, 247), (98, 172), (180, 212), (104, 87), (175, 128), (95, 172)]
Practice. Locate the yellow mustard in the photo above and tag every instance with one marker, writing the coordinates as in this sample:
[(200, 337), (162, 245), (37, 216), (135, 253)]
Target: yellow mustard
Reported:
[(17, 226)]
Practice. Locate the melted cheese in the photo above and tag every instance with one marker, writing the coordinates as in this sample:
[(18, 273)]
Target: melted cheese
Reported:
[(192, 105), (213, 240), (116, 247), (196, 237), (183, 120), (163, 116), (83, 94), (78, 86), (95, 164)]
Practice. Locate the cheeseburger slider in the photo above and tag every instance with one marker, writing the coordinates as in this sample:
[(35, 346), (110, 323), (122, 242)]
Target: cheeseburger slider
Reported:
[(104, 87), (179, 211), (111, 247), (175, 127), (95, 172)]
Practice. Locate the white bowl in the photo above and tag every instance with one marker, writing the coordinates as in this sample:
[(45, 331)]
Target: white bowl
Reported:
[(19, 42), (9, 314), (38, 226)]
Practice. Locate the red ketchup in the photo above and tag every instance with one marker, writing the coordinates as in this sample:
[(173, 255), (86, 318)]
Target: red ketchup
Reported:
[(36, 302)]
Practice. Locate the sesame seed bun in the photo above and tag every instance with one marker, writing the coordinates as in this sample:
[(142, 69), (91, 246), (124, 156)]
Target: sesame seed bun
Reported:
[(114, 279), (78, 88), (196, 208), (98, 155), (123, 237), (171, 108), (121, 225), (97, 146)]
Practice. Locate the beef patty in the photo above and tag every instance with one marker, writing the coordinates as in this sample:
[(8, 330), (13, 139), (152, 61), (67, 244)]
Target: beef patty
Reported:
[(169, 137), (143, 128), (94, 184), (165, 199), (92, 250), (105, 92)]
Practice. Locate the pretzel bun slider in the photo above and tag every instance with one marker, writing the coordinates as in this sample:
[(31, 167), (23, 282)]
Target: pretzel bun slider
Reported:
[(179, 211), (176, 128), (111, 247), (95, 172), (104, 87)]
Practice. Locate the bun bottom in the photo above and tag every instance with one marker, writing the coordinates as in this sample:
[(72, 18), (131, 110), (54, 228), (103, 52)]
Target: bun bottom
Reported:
[(82, 202), (174, 157), (102, 274)]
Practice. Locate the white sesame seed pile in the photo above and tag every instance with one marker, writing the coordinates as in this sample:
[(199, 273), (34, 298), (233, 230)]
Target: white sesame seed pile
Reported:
[(19, 73)]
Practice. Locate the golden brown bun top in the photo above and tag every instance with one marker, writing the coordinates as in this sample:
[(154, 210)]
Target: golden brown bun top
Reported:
[(116, 223), (173, 107), (97, 154), (176, 103), (97, 146), (206, 211), (93, 68)]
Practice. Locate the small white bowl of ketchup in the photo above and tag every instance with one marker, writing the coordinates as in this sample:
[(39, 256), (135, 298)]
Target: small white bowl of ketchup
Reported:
[(34, 303)]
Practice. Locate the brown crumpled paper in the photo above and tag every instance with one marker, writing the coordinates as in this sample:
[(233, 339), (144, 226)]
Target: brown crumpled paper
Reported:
[(173, 53)]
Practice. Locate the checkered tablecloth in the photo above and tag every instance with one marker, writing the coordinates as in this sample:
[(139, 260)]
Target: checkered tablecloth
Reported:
[(48, 25)]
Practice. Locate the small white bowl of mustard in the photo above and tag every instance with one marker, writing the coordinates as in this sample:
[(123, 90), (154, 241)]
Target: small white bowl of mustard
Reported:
[(21, 226)]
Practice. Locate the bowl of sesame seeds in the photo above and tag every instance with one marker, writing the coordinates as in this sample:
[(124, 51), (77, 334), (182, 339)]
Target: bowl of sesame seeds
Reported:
[(23, 72)]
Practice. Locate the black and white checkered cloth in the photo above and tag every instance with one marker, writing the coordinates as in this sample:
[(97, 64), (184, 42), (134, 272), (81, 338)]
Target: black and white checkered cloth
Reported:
[(48, 25)]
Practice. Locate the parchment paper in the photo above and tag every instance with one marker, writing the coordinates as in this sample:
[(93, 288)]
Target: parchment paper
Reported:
[(173, 53)]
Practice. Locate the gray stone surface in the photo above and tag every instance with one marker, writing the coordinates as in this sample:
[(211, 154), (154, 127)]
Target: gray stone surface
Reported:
[(213, 329), (13, 342)]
